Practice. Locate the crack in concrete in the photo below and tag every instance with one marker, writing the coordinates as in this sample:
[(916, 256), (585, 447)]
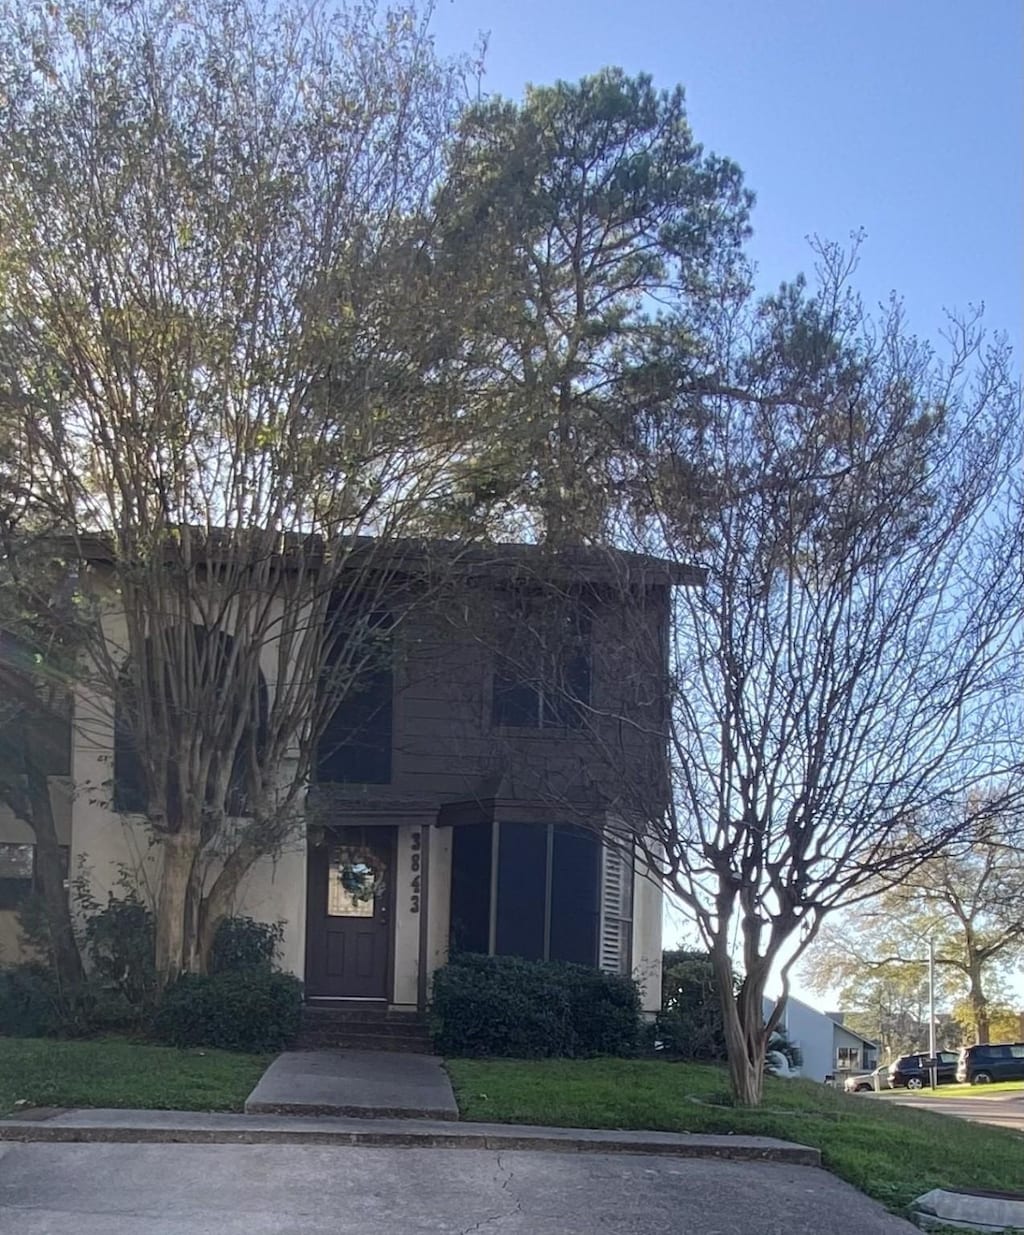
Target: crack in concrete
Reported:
[(517, 1206)]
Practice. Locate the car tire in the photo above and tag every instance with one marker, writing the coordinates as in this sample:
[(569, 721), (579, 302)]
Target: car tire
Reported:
[(915, 1082), (981, 1078), (863, 1089)]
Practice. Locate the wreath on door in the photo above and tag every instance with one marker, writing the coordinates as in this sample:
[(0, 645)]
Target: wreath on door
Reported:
[(361, 873)]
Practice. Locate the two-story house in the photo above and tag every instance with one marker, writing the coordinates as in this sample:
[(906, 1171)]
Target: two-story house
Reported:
[(472, 795)]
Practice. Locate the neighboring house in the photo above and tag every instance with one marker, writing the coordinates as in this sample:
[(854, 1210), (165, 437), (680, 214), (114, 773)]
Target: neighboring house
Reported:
[(828, 1048), (17, 867), (456, 784)]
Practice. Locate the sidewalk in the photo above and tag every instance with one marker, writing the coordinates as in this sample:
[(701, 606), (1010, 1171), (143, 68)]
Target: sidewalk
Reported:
[(359, 1084), (187, 1127)]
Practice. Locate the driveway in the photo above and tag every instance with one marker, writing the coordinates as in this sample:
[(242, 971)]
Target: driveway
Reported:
[(287, 1190), (1004, 1110)]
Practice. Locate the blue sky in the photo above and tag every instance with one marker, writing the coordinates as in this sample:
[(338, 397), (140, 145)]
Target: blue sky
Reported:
[(904, 118), (901, 117)]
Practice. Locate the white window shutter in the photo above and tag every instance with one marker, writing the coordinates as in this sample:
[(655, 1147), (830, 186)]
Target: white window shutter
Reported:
[(616, 909)]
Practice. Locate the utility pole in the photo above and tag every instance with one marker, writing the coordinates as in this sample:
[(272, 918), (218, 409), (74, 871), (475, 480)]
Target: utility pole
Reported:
[(931, 1010)]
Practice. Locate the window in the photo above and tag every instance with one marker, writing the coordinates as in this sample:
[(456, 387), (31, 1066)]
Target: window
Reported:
[(548, 881), (129, 778), (995, 1052), (18, 872), (355, 746), (543, 681), (847, 1057), (211, 651)]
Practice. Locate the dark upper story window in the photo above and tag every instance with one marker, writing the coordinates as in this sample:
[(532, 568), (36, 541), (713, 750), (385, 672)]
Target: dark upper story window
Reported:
[(356, 743), (543, 680), (211, 652)]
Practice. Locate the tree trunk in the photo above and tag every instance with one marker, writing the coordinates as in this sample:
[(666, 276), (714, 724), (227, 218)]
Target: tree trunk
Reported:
[(979, 1005), (219, 900), (172, 934), (745, 1037)]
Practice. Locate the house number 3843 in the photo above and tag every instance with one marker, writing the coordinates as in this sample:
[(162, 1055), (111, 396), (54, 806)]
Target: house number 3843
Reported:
[(416, 863)]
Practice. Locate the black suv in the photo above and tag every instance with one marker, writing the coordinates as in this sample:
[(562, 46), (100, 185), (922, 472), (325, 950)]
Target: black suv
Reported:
[(912, 1070), (997, 1061)]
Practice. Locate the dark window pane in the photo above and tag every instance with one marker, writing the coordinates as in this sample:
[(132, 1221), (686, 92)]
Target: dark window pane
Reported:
[(522, 877), (17, 864), (562, 706), (515, 702), (357, 740), (17, 861), (575, 895), (471, 888), (549, 678), (129, 779), (212, 650)]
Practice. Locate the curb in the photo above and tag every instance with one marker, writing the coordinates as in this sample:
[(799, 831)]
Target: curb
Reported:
[(460, 1136)]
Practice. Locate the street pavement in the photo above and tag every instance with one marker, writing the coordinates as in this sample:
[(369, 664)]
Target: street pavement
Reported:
[(106, 1189), (1003, 1110)]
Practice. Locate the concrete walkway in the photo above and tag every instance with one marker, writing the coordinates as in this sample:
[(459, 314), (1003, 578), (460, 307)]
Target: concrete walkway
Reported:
[(188, 1127), (359, 1084)]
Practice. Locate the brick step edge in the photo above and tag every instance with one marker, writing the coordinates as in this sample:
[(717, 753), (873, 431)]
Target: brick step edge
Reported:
[(359, 1017), (384, 1029), (362, 1042)]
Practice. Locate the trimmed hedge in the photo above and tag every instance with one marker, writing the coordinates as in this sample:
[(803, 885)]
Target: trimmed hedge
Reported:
[(243, 943), (255, 1010), (506, 1006)]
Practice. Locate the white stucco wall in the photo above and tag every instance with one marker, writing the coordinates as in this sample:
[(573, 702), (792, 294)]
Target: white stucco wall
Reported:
[(647, 918), (105, 843), (407, 921), (275, 891)]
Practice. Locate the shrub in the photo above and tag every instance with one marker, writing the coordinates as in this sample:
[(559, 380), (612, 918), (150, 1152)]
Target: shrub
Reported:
[(605, 1010), (244, 943), (254, 1010), (690, 1022), (506, 1006), (30, 1002), (120, 940)]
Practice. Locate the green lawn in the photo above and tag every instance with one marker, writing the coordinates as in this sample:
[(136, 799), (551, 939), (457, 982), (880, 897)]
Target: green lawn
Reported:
[(961, 1091), (114, 1072), (893, 1153)]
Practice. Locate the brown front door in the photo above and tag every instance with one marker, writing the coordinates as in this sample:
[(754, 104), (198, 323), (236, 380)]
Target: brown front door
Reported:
[(348, 927)]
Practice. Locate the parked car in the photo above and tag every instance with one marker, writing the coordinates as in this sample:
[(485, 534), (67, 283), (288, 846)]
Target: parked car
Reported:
[(861, 1082), (994, 1061), (912, 1070)]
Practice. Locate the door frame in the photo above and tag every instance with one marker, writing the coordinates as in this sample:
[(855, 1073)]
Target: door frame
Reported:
[(388, 833)]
